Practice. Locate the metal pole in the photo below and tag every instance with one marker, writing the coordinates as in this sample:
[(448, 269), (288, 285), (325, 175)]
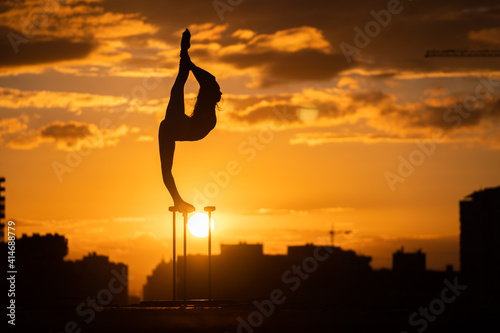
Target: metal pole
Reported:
[(174, 277), (209, 209), (209, 258), (185, 258)]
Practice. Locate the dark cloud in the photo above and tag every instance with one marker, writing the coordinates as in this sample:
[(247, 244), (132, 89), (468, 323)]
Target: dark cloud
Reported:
[(425, 25), (445, 117), (271, 113), (400, 46), (170, 16), (263, 114), (369, 97), (35, 51), (282, 67), (425, 115), (400, 118), (70, 132), (253, 111), (69, 135)]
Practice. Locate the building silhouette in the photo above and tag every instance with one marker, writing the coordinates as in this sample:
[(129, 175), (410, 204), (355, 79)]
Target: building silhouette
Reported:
[(96, 273), (321, 288), (45, 275), (46, 278), (406, 262), (242, 271), (242, 250), (156, 287), (479, 240)]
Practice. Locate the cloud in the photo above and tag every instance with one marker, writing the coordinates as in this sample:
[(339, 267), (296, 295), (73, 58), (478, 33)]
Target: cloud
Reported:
[(67, 136), (286, 211), (99, 32), (73, 135), (308, 108), (75, 102), (262, 112), (39, 52), (76, 20), (67, 34), (205, 32), (295, 54), (70, 132), (15, 99), (319, 138), (13, 125), (244, 34), (489, 35), (455, 113), (348, 82), (290, 40), (400, 123), (145, 138), (118, 25), (335, 115)]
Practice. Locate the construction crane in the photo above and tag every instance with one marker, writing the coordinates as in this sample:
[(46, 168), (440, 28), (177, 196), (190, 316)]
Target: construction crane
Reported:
[(465, 52), (333, 232)]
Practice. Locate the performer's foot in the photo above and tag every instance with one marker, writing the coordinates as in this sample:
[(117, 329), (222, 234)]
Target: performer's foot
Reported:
[(185, 45), (186, 40)]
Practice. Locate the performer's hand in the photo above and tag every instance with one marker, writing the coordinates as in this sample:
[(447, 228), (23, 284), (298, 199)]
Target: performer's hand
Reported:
[(184, 207)]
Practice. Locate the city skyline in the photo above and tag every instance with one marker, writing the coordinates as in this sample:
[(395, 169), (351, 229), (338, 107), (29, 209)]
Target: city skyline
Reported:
[(198, 245), (308, 277), (471, 219)]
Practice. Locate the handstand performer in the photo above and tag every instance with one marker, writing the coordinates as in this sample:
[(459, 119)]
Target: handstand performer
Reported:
[(177, 126)]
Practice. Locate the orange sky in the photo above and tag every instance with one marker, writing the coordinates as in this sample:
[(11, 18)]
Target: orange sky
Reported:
[(306, 139)]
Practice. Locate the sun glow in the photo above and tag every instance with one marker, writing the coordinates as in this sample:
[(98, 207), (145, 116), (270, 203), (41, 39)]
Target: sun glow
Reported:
[(198, 225)]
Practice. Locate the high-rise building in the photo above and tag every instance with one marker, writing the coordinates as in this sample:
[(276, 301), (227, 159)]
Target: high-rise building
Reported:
[(49, 279), (479, 238), (159, 283), (408, 262), (105, 280), (243, 272)]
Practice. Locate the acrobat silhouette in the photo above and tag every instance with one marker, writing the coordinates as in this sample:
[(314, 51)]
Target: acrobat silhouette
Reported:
[(177, 126)]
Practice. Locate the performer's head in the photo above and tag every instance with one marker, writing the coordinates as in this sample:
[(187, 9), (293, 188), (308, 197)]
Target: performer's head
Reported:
[(209, 94)]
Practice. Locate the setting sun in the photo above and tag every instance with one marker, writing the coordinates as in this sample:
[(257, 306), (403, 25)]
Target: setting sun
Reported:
[(197, 225)]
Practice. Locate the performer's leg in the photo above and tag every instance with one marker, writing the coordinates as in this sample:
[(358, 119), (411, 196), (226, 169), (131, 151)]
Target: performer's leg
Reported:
[(175, 108)]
